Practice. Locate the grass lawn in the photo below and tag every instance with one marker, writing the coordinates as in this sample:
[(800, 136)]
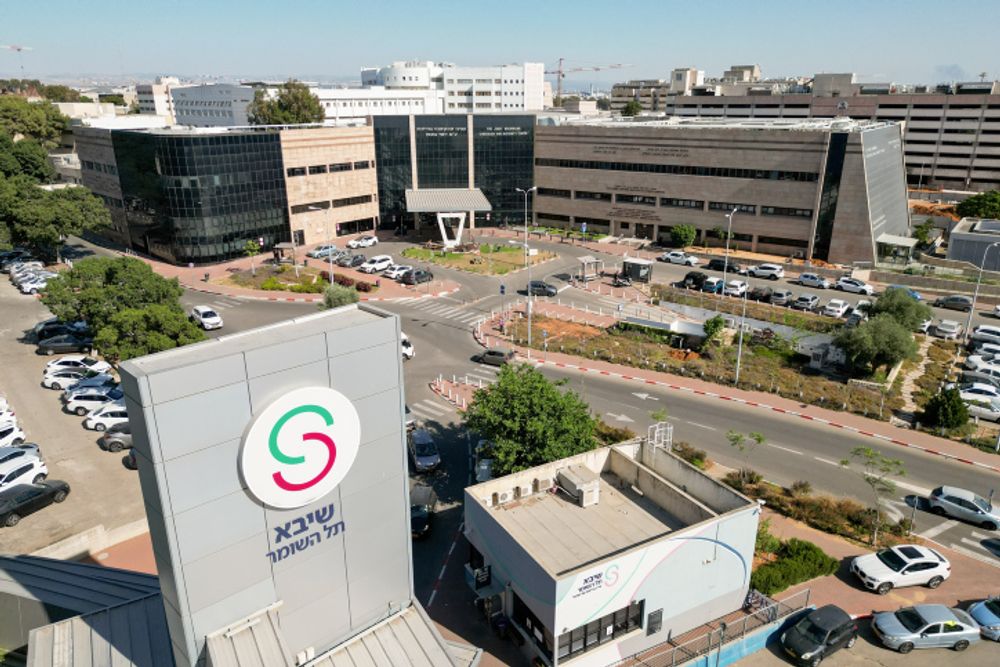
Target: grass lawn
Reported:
[(492, 259), (278, 278)]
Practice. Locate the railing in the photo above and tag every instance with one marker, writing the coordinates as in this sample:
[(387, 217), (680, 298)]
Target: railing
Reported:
[(671, 654)]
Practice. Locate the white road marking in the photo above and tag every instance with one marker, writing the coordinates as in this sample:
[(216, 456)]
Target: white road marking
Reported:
[(828, 461), (980, 536), (973, 543), (620, 418), (919, 490), (644, 396), (489, 369), (707, 428), (974, 554), (933, 532), (427, 406), (784, 449)]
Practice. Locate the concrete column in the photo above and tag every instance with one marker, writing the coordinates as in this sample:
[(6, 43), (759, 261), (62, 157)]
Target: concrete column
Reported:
[(470, 143), (753, 243)]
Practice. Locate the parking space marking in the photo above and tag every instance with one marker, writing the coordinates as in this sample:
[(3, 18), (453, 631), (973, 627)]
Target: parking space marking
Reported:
[(933, 532)]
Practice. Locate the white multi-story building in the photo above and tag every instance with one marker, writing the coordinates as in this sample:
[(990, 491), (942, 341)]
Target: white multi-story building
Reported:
[(155, 98), (467, 89), (350, 103), (211, 104)]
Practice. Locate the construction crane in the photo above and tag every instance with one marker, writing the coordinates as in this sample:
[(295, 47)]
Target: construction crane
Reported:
[(561, 72), (20, 53)]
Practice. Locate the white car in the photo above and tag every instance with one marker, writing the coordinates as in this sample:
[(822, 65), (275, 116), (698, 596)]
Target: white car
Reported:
[(13, 452), (406, 346), (836, 308), (100, 380), (206, 318), (975, 390), (88, 400), (376, 264), (322, 251), (106, 416), (736, 288), (899, 566), (23, 470), (948, 329), (976, 361), (771, 271), (36, 283), (925, 326), (63, 378), (985, 333), (362, 242), (982, 407), (7, 416), (10, 434), (679, 257), (813, 280), (397, 271), (854, 285), (77, 361)]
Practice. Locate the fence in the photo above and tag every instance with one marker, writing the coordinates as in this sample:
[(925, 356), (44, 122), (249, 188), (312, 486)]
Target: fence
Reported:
[(670, 654)]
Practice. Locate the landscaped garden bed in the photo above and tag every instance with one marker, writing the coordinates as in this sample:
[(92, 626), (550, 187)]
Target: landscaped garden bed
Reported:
[(282, 278), (489, 259)]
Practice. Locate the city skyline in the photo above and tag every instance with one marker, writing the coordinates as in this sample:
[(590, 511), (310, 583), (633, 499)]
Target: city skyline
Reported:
[(229, 40)]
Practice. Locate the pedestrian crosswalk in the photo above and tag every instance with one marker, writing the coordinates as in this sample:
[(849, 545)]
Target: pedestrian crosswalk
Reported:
[(430, 409), (479, 375), (446, 309), (224, 302)]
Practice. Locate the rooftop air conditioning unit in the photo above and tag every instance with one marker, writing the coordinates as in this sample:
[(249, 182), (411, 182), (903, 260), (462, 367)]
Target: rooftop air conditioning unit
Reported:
[(582, 483)]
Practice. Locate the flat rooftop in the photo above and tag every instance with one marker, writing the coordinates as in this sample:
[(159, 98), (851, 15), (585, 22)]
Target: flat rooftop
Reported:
[(840, 124)]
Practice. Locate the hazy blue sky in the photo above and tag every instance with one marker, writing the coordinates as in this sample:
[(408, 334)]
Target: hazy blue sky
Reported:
[(911, 41)]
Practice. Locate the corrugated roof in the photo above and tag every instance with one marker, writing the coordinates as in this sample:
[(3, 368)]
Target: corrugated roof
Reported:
[(442, 200), (256, 641), (405, 639), (126, 635)]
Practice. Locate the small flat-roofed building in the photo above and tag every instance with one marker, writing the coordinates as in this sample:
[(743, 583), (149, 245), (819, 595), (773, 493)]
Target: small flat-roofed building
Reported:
[(970, 240), (599, 556)]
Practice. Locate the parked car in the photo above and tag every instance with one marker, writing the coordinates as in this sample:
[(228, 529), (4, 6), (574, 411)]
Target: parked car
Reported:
[(984, 349), (985, 333), (376, 264), (78, 361), (21, 270), (397, 271), (996, 310), (987, 614), (954, 302), (495, 357), (206, 318), (713, 285), (351, 261), (984, 408), (679, 257), (323, 251), (856, 317), (853, 285), (736, 288), (366, 241), (100, 380), (925, 626), (541, 288), (719, 264), (28, 469), (976, 361), (836, 308), (54, 327), (423, 450), (406, 347), (36, 283), (806, 302), (762, 294), (423, 500), (24, 499), (977, 389), (106, 416), (129, 460), (914, 294), (782, 297), (818, 634), (66, 377), (948, 329), (694, 280), (64, 343), (771, 271), (87, 400), (925, 326), (416, 277), (987, 375), (965, 505), (116, 438), (813, 280), (11, 434), (15, 452), (900, 566)]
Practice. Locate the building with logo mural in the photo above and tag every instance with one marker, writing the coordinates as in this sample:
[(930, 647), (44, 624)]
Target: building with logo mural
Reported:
[(601, 556)]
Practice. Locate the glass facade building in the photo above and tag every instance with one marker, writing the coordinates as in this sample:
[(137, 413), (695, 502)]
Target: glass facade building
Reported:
[(393, 167), (199, 198), (504, 151)]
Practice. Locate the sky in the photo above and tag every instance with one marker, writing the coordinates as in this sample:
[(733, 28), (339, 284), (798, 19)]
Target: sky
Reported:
[(908, 41)]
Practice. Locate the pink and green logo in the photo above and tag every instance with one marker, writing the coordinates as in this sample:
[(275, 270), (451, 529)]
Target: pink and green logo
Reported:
[(300, 447)]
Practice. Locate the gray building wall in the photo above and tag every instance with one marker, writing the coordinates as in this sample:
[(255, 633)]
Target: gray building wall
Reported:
[(968, 245), (213, 542)]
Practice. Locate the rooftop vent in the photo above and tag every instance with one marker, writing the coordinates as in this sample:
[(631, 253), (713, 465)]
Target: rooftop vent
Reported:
[(582, 483)]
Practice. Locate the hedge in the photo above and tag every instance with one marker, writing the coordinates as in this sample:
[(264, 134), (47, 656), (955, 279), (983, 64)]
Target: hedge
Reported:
[(798, 561)]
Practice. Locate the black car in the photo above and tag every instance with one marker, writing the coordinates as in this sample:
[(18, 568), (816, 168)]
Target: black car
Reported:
[(954, 302), (416, 277), (495, 357), (760, 294), (53, 328), (24, 499), (719, 264), (818, 634), (129, 460), (64, 343), (694, 280), (423, 499), (541, 288)]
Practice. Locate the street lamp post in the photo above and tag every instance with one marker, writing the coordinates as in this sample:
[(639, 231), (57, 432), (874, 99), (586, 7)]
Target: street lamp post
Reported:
[(725, 262), (527, 261), (739, 349), (975, 294)]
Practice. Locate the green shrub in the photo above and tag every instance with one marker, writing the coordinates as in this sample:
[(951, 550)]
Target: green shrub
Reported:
[(766, 543), (272, 284), (610, 435), (308, 287), (693, 455), (338, 295), (801, 488), (798, 561)]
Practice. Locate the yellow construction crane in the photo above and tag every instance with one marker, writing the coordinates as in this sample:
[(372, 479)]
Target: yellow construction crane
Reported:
[(561, 72)]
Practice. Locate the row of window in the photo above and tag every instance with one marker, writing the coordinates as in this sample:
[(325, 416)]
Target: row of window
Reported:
[(470, 81), (331, 168), (98, 166), (325, 204), (601, 631), (697, 204), (680, 169)]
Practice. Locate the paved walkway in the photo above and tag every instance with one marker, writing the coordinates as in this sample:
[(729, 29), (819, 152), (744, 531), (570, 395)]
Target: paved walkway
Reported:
[(909, 385)]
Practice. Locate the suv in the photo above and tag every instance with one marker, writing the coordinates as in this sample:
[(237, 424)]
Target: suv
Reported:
[(813, 280), (808, 302), (495, 357), (362, 242), (22, 470), (86, 401), (116, 438), (782, 297), (985, 333), (719, 264), (901, 565), (965, 505), (323, 251), (772, 271), (10, 434), (376, 264), (954, 302), (541, 288), (206, 318), (23, 499), (416, 277), (679, 257), (713, 285), (820, 633), (760, 294)]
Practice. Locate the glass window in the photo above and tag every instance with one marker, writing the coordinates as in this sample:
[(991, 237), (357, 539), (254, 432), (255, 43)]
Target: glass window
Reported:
[(317, 169), (296, 171), (340, 166), (553, 192), (598, 196)]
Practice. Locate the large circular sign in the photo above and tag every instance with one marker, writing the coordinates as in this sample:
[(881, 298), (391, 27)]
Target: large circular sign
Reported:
[(300, 447)]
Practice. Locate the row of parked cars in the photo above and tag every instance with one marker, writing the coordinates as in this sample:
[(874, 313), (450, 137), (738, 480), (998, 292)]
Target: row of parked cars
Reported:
[(27, 274), (382, 264)]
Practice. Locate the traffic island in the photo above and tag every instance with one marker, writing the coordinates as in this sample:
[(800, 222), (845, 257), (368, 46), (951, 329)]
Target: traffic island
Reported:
[(491, 259)]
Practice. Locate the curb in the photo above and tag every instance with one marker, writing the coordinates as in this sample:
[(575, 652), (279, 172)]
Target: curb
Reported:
[(313, 299)]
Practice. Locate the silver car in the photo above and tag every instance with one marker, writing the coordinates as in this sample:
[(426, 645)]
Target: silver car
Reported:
[(925, 626), (965, 505), (423, 450)]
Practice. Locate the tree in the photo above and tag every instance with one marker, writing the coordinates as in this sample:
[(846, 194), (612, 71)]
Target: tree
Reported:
[(632, 108), (37, 120), (60, 93), (335, 296), (9, 166), (713, 327), (875, 470), (881, 341), (898, 304), (293, 104), (97, 288), (604, 104), (721, 233), (683, 235), (529, 420), (33, 160), (746, 444), (983, 205), (117, 100), (44, 219), (251, 249), (922, 232), (135, 332), (945, 410)]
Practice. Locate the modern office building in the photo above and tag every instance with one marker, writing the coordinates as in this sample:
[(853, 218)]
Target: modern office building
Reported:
[(199, 194), (211, 104), (490, 152), (821, 189), (155, 98), (600, 556)]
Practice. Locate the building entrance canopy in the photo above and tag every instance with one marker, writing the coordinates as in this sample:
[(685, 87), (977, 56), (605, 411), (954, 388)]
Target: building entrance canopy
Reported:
[(451, 205)]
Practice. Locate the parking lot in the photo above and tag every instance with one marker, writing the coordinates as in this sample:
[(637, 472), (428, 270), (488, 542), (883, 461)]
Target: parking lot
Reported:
[(103, 491)]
